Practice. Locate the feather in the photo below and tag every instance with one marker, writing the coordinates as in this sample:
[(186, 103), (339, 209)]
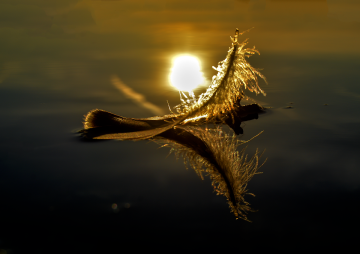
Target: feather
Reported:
[(209, 151), (234, 75), (219, 102), (100, 124)]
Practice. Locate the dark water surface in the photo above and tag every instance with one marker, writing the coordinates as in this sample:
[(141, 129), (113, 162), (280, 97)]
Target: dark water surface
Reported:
[(57, 192)]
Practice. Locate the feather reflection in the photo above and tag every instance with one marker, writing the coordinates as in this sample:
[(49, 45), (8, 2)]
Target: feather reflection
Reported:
[(214, 152), (209, 151)]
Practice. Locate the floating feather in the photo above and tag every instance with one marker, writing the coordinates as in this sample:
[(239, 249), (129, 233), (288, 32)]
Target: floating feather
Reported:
[(208, 151), (234, 75), (221, 99), (100, 124)]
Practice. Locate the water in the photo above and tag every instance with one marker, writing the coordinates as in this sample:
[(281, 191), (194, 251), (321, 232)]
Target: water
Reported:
[(57, 192)]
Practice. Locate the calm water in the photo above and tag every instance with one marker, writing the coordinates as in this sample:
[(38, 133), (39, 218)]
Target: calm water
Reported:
[(57, 62)]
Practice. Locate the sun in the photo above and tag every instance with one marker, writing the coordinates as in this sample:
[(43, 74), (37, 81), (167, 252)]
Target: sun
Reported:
[(186, 73)]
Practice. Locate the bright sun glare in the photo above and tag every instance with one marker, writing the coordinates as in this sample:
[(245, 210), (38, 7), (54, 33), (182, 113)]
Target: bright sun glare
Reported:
[(186, 73)]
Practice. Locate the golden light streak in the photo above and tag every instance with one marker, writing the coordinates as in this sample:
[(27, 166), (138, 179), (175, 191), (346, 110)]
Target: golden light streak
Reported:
[(136, 97), (195, 118)]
